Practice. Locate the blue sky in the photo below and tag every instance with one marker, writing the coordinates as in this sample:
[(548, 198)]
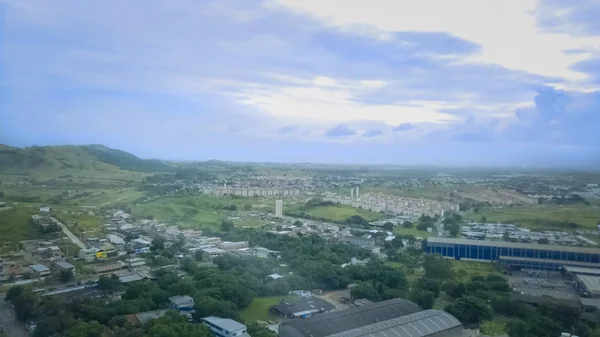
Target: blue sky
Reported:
[(385, 81)]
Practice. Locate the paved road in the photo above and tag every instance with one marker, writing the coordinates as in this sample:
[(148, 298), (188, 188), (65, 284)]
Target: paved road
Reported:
[(71, 236), (12, 328)]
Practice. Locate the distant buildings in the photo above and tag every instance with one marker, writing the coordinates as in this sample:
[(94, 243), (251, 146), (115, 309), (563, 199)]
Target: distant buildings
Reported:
[(252, 191), (39, 270), (279, 208)]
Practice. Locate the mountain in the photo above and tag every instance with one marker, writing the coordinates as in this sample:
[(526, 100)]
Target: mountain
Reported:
[(85, 157)]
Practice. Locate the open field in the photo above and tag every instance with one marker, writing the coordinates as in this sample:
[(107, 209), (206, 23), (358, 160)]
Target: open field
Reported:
[(58, 196), (79, 224), (103, 175), (543, 217), (426, 192), (495, 327), (15, 224), (334, 213), (413, 231), (258, 310), (464, 270)]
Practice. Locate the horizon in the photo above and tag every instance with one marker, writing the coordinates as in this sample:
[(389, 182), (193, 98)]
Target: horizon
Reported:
[(288, 81)]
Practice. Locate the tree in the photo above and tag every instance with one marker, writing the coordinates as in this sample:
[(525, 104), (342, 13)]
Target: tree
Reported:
[(430, 285), (226, 225), (233, 207), (158, 243), (483, 219), (454, 289), (65, 275), (470, 310), (407, 224), (454, 229), (422, 298), (365, 290), (247, 207), (298, 223), (260, 330), (437, 267), (388, 226), (199, 255)]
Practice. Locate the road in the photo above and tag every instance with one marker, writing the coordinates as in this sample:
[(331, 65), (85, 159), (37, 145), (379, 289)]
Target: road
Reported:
[(71, 236), (12, 328)]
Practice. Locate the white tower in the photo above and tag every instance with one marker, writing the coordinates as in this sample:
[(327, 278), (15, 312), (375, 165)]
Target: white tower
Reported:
[(279, 208), (352, 192), (357, 192)]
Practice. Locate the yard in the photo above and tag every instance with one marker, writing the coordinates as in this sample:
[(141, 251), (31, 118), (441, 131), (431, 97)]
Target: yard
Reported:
[(258, 310), (495, 327), (542, 217), (413, 231), (466, 269), (334, 213)]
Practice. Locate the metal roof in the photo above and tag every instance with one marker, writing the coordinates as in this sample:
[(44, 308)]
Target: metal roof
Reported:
[(582, 270), (182, 301), (420, 324), (513, 245), (40, 268), (560, 262), (226, 324), (591, 283), (345, 320), (302, 306), (64, 264)]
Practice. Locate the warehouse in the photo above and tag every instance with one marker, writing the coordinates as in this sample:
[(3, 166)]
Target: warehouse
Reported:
[(554, 256), (302, 307), (589, 284), (396, 317)]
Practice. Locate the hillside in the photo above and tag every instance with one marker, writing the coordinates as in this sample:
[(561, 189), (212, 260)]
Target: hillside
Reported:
[(85, 158)]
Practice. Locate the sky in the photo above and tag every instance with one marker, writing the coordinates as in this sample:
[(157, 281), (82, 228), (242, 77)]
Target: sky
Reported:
[(444, 82)]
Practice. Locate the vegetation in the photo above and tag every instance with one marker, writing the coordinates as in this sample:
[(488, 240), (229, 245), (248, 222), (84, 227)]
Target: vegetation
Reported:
[(327, 211)]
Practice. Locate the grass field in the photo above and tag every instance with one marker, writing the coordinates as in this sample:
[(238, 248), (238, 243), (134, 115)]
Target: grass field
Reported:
[(541, 217), (495, 327), (413, 231), (258, 310), (464, 270), (79, 224), (425, 192), (334, 213), (15, 224)]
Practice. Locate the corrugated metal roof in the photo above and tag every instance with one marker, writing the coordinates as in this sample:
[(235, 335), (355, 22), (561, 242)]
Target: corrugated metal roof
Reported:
[(591, 283), (419, 324), (513, 245), (226, 324)]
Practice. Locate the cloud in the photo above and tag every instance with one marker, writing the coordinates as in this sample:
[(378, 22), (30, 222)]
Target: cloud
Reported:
[(404, 127), (340, 130), (288, 129), (372, 133)]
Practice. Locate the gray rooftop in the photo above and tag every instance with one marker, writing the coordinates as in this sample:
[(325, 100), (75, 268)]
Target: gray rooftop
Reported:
[(583, 270), (591, 283), (454, 241), (226, 324), (182, 301), (64, 264), (420, 324), (40, 268), (302, 305), (340, 321), (563, 262)]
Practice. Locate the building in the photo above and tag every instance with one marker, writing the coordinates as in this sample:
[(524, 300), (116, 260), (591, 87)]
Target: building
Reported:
[(213, 252), (108, 268), (589, 284), (39, 270), (183, 303), (231, 246), (301, 307), (225, 327), (396, 317), (87, 254), (515, 254), (64, 265), (279, 208)]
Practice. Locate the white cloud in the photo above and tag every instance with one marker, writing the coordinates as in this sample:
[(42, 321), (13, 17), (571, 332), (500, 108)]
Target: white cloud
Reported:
[(506, 30), (325, 101)]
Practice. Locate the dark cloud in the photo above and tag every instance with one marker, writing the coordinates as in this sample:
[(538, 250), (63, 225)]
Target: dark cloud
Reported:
[(341, 130), (372, 133), (403, 127)]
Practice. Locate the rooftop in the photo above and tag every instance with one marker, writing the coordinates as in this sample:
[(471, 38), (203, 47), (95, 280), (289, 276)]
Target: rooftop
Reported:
[(303, 305), (514, 245), (339, 321), (224, 323), (560, 262), (182, 301), (591, 283), (40, 268), (64, 264), (214, 250), (583, 270), (420, 324)]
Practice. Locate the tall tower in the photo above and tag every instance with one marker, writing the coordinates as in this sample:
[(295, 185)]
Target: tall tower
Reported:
[(352, 192), (357, 192), (279, 208)]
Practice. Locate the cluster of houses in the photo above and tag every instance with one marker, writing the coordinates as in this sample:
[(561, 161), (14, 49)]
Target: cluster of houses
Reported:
[(378, 202), (511, 232)]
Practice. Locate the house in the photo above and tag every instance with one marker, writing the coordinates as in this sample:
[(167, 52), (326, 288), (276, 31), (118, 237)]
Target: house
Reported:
[(302, 307), (61, 265), (213, 252), (107, 268), (225, 327), (87, 254), (184, 305), (115, 240), (135, 262), (39, 270), (231, 246)]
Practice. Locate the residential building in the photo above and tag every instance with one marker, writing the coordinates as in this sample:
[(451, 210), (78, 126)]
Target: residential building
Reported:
[(213, 252), (63, 265), (87, 254), (225, 327), (183, 304), (279, 208), (39, 270), (231, 246)]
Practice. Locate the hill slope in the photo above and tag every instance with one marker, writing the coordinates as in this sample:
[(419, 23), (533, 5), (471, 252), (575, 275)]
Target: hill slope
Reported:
[(87, 157)]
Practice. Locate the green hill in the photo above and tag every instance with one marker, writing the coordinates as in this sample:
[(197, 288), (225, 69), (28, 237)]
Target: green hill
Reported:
[(83, 158)]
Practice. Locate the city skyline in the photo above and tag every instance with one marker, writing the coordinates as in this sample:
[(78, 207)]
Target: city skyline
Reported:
[(306, 81)]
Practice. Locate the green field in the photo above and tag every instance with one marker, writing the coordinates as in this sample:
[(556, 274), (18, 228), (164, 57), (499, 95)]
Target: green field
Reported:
[(541, 217), (79, 224), (334, 213), (426, 192), (413, 231), (495, 327), (464, 270), (15, 225), (258, 310)]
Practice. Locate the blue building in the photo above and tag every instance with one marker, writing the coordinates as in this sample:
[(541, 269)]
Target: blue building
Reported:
[(516, 254), (183, 305)]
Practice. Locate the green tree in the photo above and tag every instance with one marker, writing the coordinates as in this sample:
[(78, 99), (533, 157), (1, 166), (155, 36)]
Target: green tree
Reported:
[(297, 223), (65, 276), (423, 298), (158, 243), (226, 226), (365, 290), (388, 226), (430, 285), (437, 267), (470, 310), (247, 207)]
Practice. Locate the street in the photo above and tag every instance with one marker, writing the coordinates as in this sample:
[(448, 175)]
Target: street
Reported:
[(12, 328), (71, 236)]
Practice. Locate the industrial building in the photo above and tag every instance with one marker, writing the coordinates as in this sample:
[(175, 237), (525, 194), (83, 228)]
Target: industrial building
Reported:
[(516, 254), (396, 317), (225, 327), (302, 307)]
